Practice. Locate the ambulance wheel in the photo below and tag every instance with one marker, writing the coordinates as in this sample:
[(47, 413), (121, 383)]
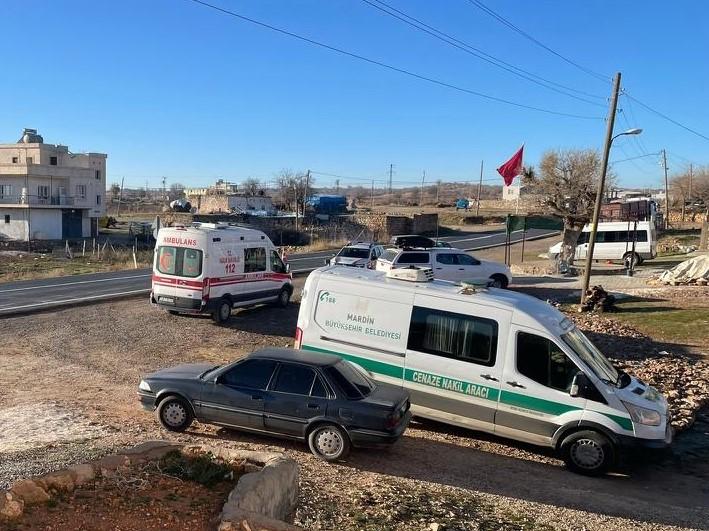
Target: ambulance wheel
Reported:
[(283, 298), (588, 452), (329, 442), (222, 313)]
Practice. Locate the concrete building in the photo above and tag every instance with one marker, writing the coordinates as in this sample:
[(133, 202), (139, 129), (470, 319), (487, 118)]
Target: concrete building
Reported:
[(223, 197), (512, 192), (47, 192)]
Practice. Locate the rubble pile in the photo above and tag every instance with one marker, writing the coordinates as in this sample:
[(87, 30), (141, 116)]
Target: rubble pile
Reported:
[(682, 379), (692, 271), (598, 300)]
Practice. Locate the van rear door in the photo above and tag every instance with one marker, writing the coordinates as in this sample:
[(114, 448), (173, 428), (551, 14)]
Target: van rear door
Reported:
[(454, 360), (177, 274)]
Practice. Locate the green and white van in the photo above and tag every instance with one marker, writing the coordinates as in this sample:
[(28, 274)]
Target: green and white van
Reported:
[(487, 359)]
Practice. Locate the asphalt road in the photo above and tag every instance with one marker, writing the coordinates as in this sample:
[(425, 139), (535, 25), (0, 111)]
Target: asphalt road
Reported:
[(35, 295)]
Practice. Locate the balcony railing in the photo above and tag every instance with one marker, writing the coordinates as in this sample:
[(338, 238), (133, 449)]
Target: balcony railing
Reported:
[(32, 200)]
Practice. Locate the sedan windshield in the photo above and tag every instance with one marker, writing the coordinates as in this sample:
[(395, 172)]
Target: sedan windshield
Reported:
[(354, 252), (591, 356)]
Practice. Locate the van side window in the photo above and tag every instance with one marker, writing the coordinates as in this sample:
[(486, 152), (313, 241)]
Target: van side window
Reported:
[(542, 361), (413, 258), (453, 335), (254, 259)]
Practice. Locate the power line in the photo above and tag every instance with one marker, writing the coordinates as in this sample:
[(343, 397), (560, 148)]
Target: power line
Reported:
[(635, 158), (476, 52), (388, 66), (661, 115), (501, 19), (638, 138)]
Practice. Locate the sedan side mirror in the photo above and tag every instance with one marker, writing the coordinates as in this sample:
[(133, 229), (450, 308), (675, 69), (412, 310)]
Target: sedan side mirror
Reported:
[(287, 268), (579, 384)]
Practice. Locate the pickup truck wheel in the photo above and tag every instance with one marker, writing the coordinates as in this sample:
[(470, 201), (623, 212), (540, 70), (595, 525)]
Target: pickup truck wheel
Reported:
[(588, 452), (175, 414), (222, 313), (329, 442), (498, 281)]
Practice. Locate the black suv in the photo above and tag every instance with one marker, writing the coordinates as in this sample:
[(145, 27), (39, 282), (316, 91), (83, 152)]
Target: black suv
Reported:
[(414, 240)]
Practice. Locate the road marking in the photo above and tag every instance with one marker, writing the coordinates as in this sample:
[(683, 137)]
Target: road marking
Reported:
[(80, 299), (73, 283), (481, 237)]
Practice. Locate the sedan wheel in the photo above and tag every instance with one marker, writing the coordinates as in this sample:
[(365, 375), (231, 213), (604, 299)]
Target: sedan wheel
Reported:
[(329, 442), (498, 281), (174, 414)]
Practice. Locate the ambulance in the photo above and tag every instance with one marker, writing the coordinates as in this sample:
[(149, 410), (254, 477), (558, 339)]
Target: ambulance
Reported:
[(483, 358), (214, 267)]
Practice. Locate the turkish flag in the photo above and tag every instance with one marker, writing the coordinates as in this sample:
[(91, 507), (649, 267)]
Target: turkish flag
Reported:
[(512, 168)]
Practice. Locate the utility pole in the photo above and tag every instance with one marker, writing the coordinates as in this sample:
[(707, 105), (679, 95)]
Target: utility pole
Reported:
[(423, 179), (337, 186), (480, 188), (667, 191), (599, 194), (164, 190), (690, 182), (391, 173), (120, 198), (372, 196)]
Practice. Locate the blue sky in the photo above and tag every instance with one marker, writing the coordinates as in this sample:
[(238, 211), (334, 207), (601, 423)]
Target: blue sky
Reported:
[(170, 88)]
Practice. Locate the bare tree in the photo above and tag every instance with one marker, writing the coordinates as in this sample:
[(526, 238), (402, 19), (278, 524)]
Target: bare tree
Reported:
[(293, 187), (251, 186), (177, 190), (567, 182), (115, 190), (694, 197)]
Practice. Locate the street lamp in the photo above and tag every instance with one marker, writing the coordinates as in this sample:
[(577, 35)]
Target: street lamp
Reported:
[(601, 183)]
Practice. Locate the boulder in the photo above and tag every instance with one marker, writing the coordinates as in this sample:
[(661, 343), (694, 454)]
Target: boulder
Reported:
[(29, 492), (82, 474), (11, 507), (62, 481)]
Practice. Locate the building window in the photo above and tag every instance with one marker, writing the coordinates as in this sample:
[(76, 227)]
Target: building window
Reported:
[(52, 161), (43, 192), (5, 190), (98, 199), (7, 218), (81, 191), (15, 160), (98, 175), (30, 160)]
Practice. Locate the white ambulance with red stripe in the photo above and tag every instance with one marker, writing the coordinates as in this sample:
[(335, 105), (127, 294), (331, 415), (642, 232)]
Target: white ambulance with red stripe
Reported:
[(214, 267)]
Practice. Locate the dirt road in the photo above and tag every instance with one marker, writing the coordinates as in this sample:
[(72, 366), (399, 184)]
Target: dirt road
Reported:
[(67, 394)]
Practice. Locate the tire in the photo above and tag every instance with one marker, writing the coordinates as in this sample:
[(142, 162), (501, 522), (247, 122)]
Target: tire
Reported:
[(329, 442), (636, 260), (499, 281), (173, 312), (283, 298), (588, 452), (222, 313), (175, 414)]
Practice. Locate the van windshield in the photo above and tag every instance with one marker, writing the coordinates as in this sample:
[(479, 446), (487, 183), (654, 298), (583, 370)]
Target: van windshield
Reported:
[(179, 261), (591, 356)]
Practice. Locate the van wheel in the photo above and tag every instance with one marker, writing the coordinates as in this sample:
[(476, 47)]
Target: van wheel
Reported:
[(329, 442), (498, 281), (588, 452), (283, 298), (632, 258), (223, 311)]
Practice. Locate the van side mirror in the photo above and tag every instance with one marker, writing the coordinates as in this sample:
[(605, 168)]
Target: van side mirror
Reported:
[(579, 384)]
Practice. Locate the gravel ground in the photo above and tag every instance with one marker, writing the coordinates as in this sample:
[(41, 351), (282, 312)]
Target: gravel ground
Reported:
[(88, 360)]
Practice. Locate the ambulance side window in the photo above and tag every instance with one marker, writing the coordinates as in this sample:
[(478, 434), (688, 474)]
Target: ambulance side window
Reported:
[(254, 259), (542, 361), (454, 335), (277, 265)]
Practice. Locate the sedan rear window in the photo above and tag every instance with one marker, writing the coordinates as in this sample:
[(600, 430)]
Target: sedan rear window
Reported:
[(352, 382)]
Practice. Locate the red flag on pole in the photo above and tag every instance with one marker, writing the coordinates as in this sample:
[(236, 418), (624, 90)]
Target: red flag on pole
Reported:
[(512, 168)]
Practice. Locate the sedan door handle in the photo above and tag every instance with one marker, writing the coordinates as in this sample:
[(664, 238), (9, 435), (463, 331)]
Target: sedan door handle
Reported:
[(313, 406), (515, 384), (256, 397), (439, 268), (489, 377), (461, 269)]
